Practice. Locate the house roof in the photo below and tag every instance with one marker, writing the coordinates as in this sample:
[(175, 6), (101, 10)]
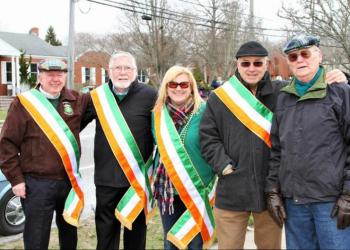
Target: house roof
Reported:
[(7, 50), (33, 45)]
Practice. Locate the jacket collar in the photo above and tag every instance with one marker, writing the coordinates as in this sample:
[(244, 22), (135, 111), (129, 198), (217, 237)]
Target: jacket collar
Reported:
[(316, 91), (264, 85)]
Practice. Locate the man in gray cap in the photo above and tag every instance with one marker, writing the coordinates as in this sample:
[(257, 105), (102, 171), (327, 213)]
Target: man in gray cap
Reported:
[(310, 159), (234, 136), (39, 155)]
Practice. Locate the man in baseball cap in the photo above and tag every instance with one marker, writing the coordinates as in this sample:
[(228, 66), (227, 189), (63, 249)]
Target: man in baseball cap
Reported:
[(308, 183), (238, 155), (39, 152)]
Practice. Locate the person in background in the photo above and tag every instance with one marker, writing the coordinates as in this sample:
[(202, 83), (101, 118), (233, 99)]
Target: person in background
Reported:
[(308, 183), (39, 155), (234, 135), (123, 150), (179, 108)]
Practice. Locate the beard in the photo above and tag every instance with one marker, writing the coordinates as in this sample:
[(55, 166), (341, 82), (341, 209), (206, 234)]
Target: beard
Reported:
[(122, 85)]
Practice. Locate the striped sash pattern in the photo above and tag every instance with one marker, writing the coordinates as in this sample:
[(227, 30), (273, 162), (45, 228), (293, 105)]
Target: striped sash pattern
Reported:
[(139, 196), (247, 108), (62, 138), (187, 182)]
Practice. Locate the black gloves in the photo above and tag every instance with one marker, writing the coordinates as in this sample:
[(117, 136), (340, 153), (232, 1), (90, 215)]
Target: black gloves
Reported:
[(275, 206), (342, 209)]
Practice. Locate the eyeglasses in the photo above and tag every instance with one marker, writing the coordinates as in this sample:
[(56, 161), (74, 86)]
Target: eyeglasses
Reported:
[(183, 85), (292, 57), (120, 68), (246, 64)]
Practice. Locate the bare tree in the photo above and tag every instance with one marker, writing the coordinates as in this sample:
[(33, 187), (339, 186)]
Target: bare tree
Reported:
[(330, 19), (156, 35), (214, 46)]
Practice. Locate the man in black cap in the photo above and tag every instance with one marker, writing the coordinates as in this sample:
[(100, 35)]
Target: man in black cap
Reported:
[(310, 157), (234, 136), (39, 155)]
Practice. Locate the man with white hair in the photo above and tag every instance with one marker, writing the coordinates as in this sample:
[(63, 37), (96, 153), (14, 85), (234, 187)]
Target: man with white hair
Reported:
[(123, 148), (308, 183)]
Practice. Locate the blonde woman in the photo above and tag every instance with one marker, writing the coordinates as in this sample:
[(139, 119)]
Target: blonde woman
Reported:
[(183, 179)]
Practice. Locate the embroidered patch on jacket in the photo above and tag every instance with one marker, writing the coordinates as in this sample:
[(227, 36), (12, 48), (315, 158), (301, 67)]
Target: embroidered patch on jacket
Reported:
[(67, 108)]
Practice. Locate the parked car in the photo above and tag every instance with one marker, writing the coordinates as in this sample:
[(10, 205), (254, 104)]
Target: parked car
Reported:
[(11, 212)]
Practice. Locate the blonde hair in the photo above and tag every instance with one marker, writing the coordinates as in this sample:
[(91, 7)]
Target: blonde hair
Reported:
[(169, 76)]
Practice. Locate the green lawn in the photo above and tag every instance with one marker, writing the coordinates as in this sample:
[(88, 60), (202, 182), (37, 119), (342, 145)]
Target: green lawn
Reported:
[(87, 236), (3, 114)]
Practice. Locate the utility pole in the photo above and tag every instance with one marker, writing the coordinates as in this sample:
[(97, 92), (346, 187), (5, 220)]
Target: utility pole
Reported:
[(312, 16), (70, 78), (251, 19)]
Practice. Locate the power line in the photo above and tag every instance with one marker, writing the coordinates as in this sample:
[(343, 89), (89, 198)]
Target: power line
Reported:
[(173, 12), (169, 16), (227, 11), (142, 10)]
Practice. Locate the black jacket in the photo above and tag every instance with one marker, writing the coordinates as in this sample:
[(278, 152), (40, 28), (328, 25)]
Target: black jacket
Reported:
[(310, 156), (225, 140), (136, 108)]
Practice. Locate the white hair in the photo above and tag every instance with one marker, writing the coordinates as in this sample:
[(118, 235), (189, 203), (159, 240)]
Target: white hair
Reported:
[(118, 54)]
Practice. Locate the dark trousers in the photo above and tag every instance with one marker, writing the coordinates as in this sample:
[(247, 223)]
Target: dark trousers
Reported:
[(108, 227), (168, 221), (43, 197)]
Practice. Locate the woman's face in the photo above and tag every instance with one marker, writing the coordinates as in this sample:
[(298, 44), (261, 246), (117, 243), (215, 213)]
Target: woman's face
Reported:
[(179, 90)]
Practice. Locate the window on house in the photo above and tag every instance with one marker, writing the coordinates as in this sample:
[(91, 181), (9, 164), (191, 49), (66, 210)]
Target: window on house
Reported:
[(141, 76), (8, 71), (87, 75), (34, 70), (104, 77)]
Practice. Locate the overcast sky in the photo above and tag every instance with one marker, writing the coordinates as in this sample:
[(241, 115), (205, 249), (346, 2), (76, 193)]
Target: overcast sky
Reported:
[(20, 16)]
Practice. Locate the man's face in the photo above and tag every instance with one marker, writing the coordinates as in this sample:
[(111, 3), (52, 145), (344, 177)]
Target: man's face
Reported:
[(122, 72), (252, 68), (52, 82), (304, 63)]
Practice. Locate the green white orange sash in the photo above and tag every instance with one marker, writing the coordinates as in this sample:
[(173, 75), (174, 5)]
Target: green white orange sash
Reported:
[(62, 138), (139, 196), (247, 108), (199, 216)]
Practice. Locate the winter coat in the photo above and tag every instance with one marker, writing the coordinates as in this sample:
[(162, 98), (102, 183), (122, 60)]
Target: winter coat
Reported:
[(24, 147), (225, 140), (310, 135), (136, 108)]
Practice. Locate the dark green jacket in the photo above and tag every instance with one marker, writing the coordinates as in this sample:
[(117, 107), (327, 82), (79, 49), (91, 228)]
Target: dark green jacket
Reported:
[(310, 135)]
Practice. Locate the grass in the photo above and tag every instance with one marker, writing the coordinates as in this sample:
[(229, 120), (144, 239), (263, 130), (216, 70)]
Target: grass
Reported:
[(87, 236), (3, 114)]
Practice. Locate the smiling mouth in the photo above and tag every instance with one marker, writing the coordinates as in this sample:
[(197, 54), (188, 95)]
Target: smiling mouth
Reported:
[(302, 67)]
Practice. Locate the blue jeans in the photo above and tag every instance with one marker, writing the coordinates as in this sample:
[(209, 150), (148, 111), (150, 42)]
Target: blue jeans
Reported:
[(309, 226), (169, 220)]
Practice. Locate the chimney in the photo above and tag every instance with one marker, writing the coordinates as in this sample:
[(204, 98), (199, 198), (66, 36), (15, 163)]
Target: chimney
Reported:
[(34, 31)]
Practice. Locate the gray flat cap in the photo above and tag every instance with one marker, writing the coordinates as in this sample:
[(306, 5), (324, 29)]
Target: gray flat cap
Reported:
[(301, 41), (52, 64)]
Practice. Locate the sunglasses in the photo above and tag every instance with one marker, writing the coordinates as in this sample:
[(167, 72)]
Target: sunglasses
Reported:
[(183, 85), (292, 57), (257, 64)]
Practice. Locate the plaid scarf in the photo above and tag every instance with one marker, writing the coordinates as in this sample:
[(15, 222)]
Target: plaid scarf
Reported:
[(163, 188)]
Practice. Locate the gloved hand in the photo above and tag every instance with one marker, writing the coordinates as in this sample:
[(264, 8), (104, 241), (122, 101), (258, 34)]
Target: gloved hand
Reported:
[(342, 209), (275, 206)]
